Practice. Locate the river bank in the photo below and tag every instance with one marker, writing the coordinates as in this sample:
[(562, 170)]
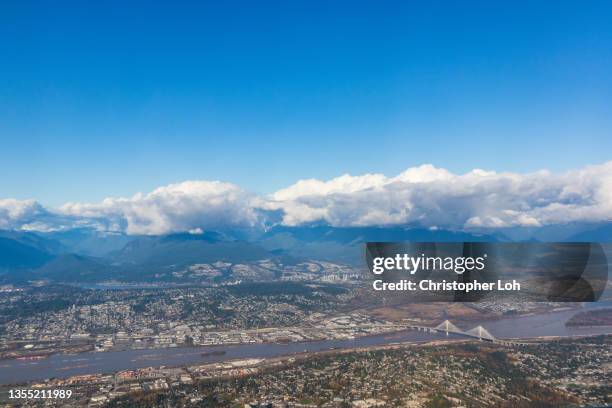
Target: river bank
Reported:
[(60, 365)]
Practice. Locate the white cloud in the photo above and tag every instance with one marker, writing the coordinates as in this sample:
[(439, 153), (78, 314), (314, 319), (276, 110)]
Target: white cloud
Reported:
[(180, 207), (426, 196), (434, 197), (15, 213)]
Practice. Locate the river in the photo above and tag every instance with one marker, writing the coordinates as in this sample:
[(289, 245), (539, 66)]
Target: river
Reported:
[(62, 365)]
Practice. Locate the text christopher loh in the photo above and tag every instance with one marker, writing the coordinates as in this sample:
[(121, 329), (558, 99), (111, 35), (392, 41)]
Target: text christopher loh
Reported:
[(459, 265)]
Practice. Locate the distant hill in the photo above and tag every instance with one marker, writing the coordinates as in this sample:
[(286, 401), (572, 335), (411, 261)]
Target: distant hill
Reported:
[(186, 249), (34, 240), (26, 256), (75, 268), (87, 241), (602, 233), (89, 255), (15, 254), (345, 244), (554, 233)]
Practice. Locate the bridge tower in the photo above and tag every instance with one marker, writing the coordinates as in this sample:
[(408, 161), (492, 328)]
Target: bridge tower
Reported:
[(481, 333), (447, 326)]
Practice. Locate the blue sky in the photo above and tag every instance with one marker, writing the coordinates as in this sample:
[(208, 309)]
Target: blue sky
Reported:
[(101, 100)]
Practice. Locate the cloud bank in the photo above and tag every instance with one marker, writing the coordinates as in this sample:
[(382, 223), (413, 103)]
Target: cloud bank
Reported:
[(186, 206), (17, 214), (425, 196)]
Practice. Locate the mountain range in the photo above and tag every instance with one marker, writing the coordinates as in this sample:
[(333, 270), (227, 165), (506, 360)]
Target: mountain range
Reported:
[(90, 255)]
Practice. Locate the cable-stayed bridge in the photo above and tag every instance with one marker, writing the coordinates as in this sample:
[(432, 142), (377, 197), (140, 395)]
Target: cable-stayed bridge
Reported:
[(448, 327)]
